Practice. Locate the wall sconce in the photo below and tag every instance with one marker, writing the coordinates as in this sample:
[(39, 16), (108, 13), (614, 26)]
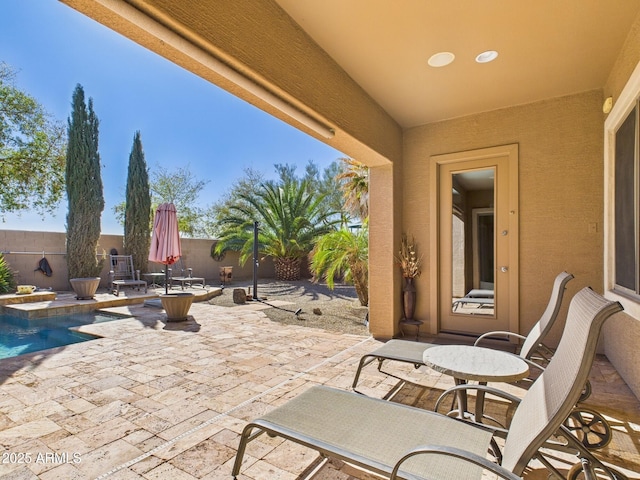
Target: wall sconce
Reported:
[(607, 105)]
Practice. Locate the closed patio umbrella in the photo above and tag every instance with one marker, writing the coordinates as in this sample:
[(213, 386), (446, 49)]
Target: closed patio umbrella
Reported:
[(165, 239)]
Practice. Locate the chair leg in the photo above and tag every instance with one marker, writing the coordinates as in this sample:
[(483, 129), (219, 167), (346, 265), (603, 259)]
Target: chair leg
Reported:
[(245, 438), (364, 361), (588, 462)]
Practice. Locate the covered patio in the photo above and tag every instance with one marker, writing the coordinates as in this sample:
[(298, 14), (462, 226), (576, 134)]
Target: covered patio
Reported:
[(550, 104), (357, 77), (155, 400)]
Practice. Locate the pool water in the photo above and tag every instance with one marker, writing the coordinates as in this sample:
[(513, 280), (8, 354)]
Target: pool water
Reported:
[(21, 335)]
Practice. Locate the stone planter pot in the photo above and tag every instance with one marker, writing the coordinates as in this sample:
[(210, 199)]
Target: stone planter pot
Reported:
[(26, 289), (176, 305), (85, 288), (225, 275)]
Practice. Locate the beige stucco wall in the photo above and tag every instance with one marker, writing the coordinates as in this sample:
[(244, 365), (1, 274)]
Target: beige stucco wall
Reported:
[(622, 333), (625, 63), (385, 223), (561, 193), (195, 254)]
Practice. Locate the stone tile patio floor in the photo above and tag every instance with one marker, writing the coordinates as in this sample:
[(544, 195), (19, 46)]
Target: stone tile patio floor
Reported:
[(156, 400)]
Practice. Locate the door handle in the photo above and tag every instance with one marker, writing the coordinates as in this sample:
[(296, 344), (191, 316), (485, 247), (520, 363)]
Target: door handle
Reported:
[(504, 269)]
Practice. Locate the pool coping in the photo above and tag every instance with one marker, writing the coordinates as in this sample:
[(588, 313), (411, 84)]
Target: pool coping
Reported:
[(48, 304), (14, 298)]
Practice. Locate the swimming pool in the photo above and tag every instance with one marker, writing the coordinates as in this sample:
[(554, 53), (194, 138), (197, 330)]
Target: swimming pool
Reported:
[(21, 335)]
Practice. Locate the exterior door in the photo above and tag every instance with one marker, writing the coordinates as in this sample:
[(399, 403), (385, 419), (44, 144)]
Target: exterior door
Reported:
[(477, 237)]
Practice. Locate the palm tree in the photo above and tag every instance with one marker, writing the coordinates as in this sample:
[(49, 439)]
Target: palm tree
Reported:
[(290, 220), (344, 253), (354, 181)]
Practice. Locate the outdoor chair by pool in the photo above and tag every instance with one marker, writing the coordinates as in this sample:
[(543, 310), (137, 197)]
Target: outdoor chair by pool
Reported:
[(399, 441), (411, 352), (186, 276), (122, 274)]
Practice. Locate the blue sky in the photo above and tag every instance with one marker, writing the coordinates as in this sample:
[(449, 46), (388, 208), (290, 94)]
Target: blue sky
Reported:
[(183, 119)]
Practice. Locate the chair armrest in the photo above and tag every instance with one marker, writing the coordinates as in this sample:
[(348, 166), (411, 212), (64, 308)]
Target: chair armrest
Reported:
[(531, 363), (543, 352), (498, 332), (457, 453)]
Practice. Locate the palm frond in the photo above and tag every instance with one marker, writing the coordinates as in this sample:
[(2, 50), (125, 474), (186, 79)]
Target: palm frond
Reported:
[(290, 219)]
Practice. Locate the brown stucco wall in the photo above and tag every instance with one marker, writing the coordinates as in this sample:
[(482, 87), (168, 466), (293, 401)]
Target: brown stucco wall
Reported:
[(561, 190), (195, 254)]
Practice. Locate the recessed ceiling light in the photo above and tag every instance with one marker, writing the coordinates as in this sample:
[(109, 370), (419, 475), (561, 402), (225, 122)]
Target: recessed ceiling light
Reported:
[(486, 57), (441, 59)]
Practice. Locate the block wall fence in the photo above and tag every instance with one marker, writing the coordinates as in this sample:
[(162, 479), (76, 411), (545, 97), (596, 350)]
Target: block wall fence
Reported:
[(23, 250)]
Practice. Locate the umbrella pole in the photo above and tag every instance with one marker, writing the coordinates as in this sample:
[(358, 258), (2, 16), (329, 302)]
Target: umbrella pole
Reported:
[(166, 279), (255, 260)]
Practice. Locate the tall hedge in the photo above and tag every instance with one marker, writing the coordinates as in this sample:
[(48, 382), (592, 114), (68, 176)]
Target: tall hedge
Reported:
[(137, 214), (84, 189)]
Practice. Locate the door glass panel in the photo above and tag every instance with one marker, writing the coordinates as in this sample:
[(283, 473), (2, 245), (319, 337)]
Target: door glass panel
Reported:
[(473, 242)]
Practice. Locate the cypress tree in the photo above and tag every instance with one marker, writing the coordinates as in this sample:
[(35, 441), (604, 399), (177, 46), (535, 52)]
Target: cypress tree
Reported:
[(84, 189), (137, 214)]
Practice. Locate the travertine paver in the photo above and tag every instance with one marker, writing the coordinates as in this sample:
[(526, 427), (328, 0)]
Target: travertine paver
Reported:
[(156, 400)]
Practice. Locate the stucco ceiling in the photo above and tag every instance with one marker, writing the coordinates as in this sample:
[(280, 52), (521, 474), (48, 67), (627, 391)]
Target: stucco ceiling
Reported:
[(547, 48)]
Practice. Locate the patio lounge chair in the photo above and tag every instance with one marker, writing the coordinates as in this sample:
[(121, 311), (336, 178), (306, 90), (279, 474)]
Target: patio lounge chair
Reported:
[(591, 427), (399, 441), (411, 352), (481, 298), (186, 276), (123, 275)]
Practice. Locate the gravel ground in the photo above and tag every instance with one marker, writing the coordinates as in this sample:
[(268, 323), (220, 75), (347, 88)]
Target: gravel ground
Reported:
[(337, 310)]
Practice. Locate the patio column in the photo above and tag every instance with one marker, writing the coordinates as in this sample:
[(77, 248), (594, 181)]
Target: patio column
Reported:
[(385, 219)]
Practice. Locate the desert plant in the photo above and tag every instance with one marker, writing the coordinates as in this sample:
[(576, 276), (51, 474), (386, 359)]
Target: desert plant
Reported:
[(344, 254), (7, 279), (290, 220), (84, 189), (354, 183)]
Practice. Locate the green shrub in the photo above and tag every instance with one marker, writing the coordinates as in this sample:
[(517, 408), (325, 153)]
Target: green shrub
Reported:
[(7, 280)]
